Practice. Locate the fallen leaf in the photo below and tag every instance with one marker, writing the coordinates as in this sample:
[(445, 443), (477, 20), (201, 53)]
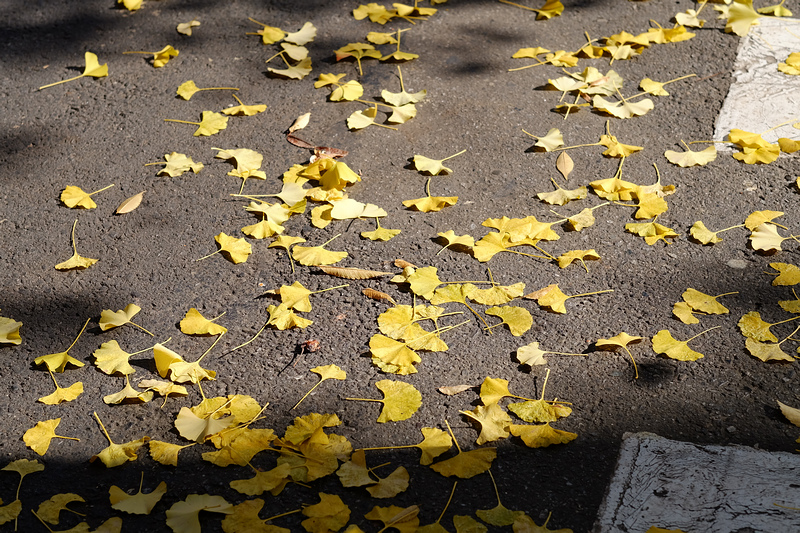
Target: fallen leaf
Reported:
[(139, 503), (493, 421), (705, 303), (183, 516), (210, 123), (541, 436), (433, 167), (330, 514), (194, 323), (185, 28), (130, 204), (117, 454), (400, 400), (92, 68), (39, 436), (110, 319), (76, 197), (664, 343), (76, 261)]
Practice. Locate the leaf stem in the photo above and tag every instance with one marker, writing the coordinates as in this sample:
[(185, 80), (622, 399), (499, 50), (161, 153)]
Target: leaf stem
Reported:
[(37, 516), (79, 335), (428, 186), (140, 327), (72, 238), (452, 435), (544, 386), (331, 288), (211, 347), (790, 334), (306, 395), (715, 327), (732, 227), (575, 146), (446, 505), (102, 427), (591, 293), (329, 240), (97, 191), (251, 340), (282, 515), (181, 121), (276, 55), (635, 368), (454, 155), (58, 83), (209, 255)]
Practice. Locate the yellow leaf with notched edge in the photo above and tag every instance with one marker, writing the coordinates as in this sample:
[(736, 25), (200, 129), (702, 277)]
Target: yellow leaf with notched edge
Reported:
[(525, 524), (651, 231), (39, 436), (62, 395), (567, 258), (467, 464), (753, 327), (163, 388), (316, 255), (530, 52), (582, 220), (400, 400), (163, 56), (243, 110), (354, 473), (684, 313), (330, 514), (170, 364), (302, 36), (789, 146), (76, 197), (615, 189), (539, 411), (664, 343), (757, 218), (787, 274), (139, 503), (496, 295), (245, 519), (431, 204), (392, 485), (10, 512), (177, 164), (624, 108), (183, 516), (493, 390), (118, 454), (128, 395), (263, 481), (518, 319), (541, 436), (50, 509), (704, 303), (493, 421), (552, 140), (614, 148), (766, 238), (165, 452), (195, 323), (702, 234), (741, 16), (767, 351), (690, 158), (432, 167), (9, 331), (295, 72), (284, 318), (196, 428), (237, 250), (392, 356), (110, 319), (562, 196)]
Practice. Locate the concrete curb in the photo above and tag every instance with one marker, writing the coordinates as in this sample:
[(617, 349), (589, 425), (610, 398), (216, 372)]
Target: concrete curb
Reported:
[(700, 488)]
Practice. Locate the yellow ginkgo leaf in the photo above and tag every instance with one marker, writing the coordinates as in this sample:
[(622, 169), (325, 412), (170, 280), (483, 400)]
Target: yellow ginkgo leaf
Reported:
[(400, 400), (166, 453), (92, 68), (243, 110), (562, 196), (623, 108), (9, 331), (177, 164), (128, 395), (188, 89), (621, 340), (39, 436), (196, 428), (493, 421), (391, 485), (117, 454), (433, 167), (76, 197), (757, 218), (195, 323), (282, 317), (110, 319), (210, 123), (553, 298), (792, 414), (769, 351), (705, 303), (50, 509), (550, 141), (787, 274), (525, 524), (56, 362), (518, 319), (684, 312), (317, 255), (752, 326), (567, 258), (690, 158), (651, 231), (172, 365), (163, 388), (496, 295), (294, 72), (741, 16), (664, 343), (236, 250), (541, 436), (76, 261), (325, 372), (183, 516), (330, 514), (467, 464), (139, 503), (62, 395), (431, 204)]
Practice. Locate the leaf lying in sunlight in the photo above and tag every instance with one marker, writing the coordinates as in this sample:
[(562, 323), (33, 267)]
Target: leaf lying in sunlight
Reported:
[(741, 16), (130, 204), (690, 158), (787, 274), (76, 262), (317, 255), (195, 323), (9, 331), (210, 123), (400, 400), (177, 164), (92, 69), (62, 395), (664, 343), (186, 27), (493, 421), (651, 231), (295, 72), (541, 436), (433, 167), (76, 197), (518, 319), (39, 436)]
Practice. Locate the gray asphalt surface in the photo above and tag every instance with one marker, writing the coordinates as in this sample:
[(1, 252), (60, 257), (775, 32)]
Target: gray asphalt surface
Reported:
[(91, 133)]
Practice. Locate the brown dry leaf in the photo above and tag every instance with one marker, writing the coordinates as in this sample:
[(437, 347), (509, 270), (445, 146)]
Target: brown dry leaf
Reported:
[(130, 204), (564, 164), (378, 295), (451, 390), (352, 273)]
